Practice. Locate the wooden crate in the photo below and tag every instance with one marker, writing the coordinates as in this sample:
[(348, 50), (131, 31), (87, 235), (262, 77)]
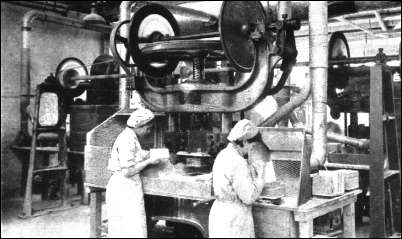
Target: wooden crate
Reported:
[(328, 183), (351, 178)]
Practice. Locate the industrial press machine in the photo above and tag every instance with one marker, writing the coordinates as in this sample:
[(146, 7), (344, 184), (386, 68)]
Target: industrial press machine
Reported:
[(196, 71)]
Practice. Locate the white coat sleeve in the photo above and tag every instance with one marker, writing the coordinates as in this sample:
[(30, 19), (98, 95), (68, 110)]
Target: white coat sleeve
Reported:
[(245, 185), (129, 154)]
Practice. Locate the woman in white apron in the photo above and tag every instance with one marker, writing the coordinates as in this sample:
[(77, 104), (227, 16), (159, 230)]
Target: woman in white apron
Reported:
[(124, 194), (237, 184)]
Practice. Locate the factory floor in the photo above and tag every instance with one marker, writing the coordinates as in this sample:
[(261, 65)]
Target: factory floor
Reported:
[(74, 223)]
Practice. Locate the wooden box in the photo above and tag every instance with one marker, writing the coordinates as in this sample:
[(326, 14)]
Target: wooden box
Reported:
[(328, 183), (351, 178)]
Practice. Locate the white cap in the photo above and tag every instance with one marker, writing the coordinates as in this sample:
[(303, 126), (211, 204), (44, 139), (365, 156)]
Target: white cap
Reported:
[(243, 130), (140, 117)]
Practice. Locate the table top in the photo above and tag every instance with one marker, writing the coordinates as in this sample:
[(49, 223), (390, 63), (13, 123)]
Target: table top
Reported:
[(289, 203)]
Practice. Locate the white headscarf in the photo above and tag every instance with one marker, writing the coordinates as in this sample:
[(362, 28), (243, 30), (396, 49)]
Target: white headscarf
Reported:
[(243, 130), (140, 117)]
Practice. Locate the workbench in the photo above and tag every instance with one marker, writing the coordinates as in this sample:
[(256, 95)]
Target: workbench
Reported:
[(191, 188), (288, 220), (284, 220)]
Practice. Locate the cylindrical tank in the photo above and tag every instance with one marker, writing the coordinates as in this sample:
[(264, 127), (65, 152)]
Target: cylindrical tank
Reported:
[(83, 118)]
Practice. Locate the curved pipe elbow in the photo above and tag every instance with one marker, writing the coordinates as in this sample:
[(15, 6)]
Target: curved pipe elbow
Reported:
[(30, 16)]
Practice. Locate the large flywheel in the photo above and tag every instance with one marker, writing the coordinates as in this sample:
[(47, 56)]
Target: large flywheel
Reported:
[(338, 75)]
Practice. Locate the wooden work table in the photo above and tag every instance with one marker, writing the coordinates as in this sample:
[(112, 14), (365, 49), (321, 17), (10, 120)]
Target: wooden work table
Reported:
[(284, 220), (289, 220)]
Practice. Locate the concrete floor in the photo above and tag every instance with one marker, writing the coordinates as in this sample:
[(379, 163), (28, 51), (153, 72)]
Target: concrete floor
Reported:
[(69, 223), (73, 223)]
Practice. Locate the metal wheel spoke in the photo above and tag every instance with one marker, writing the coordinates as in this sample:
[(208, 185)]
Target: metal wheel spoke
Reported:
[(127, 59), (122, 39)]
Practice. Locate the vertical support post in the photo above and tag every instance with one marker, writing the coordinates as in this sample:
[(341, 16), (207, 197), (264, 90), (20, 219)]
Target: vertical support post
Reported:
[(95, 218), (377, 200), (349, 230), (124, 97), (318, 41), (283, 96)]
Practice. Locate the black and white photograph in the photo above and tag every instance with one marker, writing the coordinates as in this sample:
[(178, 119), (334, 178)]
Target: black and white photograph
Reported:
[(200, 119)]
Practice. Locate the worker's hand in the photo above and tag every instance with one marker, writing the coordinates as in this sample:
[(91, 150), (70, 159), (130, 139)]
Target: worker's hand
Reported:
[(260, 167)]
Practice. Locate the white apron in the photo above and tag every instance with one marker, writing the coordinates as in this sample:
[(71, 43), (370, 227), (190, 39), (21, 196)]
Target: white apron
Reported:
[(125, 196), (125, 207)]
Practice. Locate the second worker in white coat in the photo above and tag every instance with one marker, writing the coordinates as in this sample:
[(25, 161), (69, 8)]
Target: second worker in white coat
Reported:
[(237, 184)]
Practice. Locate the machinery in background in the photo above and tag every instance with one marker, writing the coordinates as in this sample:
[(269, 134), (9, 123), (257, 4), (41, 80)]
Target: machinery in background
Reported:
[(371, 90), (101, 102), (48, 140)]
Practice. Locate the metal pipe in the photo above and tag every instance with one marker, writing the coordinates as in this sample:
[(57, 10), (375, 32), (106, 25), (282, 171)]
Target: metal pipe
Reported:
[(318, 39), (360, 143), (287, 108), (25, 80), (42, 5), (124, 97), (116, 76), (100, 77), (352, 60)]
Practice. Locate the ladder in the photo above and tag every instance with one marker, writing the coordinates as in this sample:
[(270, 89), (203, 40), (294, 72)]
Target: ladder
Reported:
[(59, 127), (384, 139)]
